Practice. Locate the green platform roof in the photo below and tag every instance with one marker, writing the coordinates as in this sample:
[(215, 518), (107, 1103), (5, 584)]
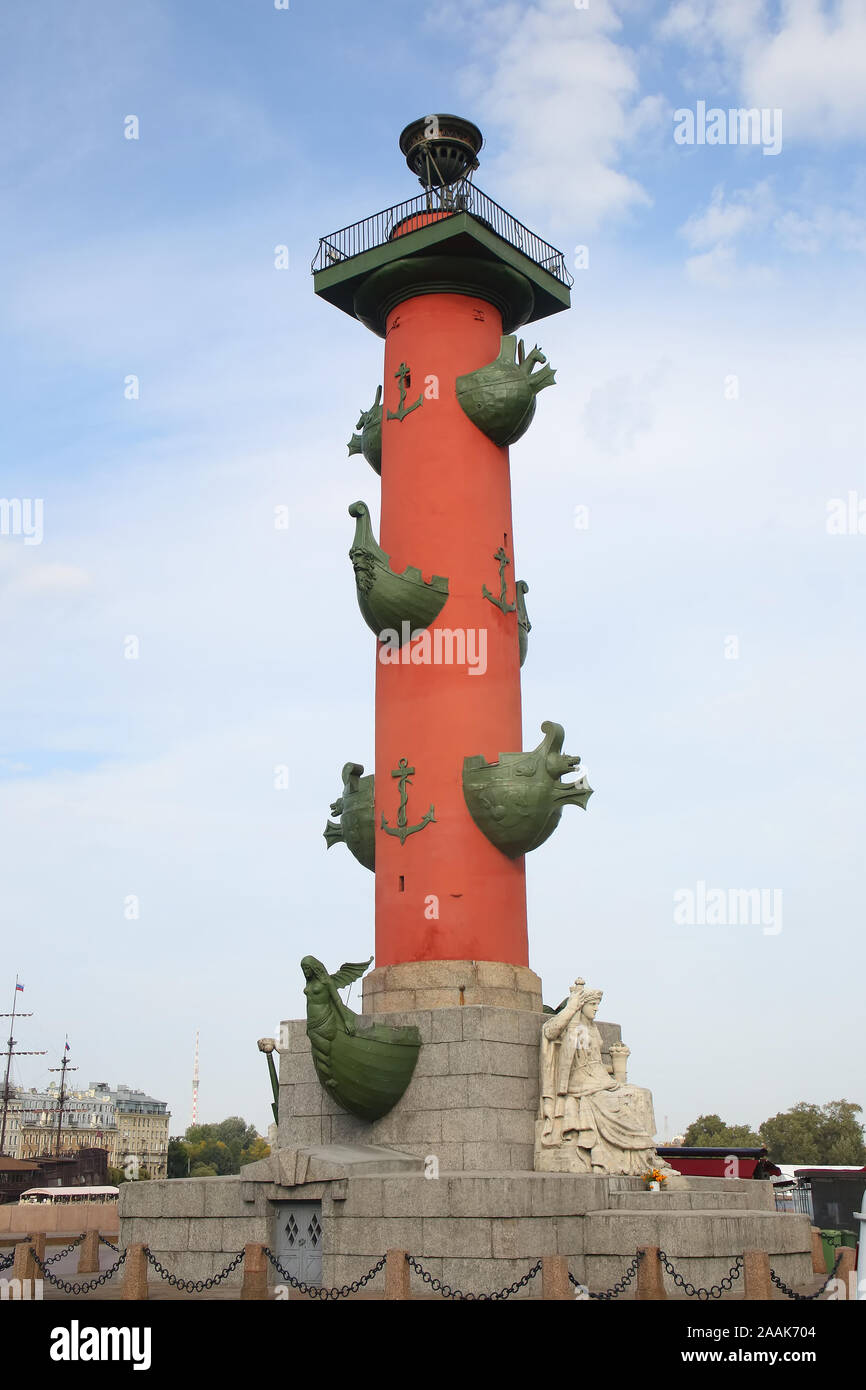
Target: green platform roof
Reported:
[(459, 235)]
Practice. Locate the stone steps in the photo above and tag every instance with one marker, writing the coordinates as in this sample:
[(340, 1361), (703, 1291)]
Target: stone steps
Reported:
[(732, 1202)]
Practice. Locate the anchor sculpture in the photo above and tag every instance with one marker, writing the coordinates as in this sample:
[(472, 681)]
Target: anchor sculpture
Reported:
[(402, 829), (500, 602), (403, 376)]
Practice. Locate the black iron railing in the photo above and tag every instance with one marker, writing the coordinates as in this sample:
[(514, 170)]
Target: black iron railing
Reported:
[(437, 204)]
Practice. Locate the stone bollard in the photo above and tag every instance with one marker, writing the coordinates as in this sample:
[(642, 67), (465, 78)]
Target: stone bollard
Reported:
[(846, 1267), (255, 1283), (135, 1273), (88, 1254), (555, 1282), (24, 1266), (756, 1275), (819, 1265), (396, 1274), (650, 1276)]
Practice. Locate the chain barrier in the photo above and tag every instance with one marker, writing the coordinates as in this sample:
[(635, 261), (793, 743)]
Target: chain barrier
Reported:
[(621, 1284), (68, 1251), (447, 1292), (192, 1285), (67, 1287), (689, 1289), (315, 1290), (7, 1261), (806, 1297), (115, 1248)]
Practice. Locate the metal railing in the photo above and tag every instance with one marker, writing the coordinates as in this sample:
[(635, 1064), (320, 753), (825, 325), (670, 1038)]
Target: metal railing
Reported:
[(796, 1199), (434, 206)]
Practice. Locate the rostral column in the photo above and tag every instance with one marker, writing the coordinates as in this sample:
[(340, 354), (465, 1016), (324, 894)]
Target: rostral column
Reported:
[(446, 279)]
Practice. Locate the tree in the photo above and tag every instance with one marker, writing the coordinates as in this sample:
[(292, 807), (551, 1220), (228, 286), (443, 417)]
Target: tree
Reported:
[(178, 1162), (116, 1176), (259, 1148), (816, 1134), (711, 1132), (221, 1148)]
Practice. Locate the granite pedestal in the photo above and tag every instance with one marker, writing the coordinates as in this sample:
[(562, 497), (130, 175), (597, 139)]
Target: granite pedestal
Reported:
[(448, 1176)]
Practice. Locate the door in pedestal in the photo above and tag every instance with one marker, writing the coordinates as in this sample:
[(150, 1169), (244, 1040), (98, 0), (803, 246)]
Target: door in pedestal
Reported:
[(299, 1239)]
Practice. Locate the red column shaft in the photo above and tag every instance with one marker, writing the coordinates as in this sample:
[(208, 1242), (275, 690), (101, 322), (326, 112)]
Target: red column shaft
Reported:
[(446, 893)]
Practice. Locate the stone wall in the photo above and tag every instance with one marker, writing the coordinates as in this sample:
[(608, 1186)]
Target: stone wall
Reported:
[(481, 1232), (471, 1103), (74, 1217), (475, 1231), (195, 1225)]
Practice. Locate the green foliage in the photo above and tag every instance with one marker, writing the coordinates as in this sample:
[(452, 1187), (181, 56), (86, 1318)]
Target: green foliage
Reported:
[(178, 1164), (116, 1176), (816, 1134), (805, 1135), (711, 1132), (259, 1148), (215, 1150)]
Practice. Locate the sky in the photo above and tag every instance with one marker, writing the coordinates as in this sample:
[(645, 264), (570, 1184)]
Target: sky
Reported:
[(687, 510)]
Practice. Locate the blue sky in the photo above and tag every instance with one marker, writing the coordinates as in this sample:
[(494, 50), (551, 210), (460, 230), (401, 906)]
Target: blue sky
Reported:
[(707, 508)]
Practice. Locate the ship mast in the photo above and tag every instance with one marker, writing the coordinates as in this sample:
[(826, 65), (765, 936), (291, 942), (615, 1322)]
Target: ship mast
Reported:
[(19, 988), (63, 1068)]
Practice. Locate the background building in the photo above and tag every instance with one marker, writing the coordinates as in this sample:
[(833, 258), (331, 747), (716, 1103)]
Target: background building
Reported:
[(131, 1126), (142, 1130)]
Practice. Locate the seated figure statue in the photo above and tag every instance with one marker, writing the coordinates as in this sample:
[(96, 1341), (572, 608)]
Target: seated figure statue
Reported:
[(590, 1121)]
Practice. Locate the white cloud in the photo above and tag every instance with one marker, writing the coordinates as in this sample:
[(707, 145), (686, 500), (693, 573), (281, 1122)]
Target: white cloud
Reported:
[(809, 60), (562, 92), (50, 579), (751, 221), (822, 228), (726, 219)]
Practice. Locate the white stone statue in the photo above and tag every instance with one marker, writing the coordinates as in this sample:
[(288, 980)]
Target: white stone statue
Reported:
[(590, 1120)]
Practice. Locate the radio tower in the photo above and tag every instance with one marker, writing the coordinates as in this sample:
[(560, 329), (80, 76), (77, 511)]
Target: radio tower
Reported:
[(195, 1083)]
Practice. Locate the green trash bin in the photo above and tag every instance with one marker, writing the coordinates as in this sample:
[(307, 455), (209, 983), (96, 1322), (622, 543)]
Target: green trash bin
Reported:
[(849, 1239), (830, 1241)]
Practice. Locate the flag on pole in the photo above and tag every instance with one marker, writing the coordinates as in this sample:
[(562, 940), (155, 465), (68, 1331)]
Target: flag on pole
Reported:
[(17, 986), (66, 1048)]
